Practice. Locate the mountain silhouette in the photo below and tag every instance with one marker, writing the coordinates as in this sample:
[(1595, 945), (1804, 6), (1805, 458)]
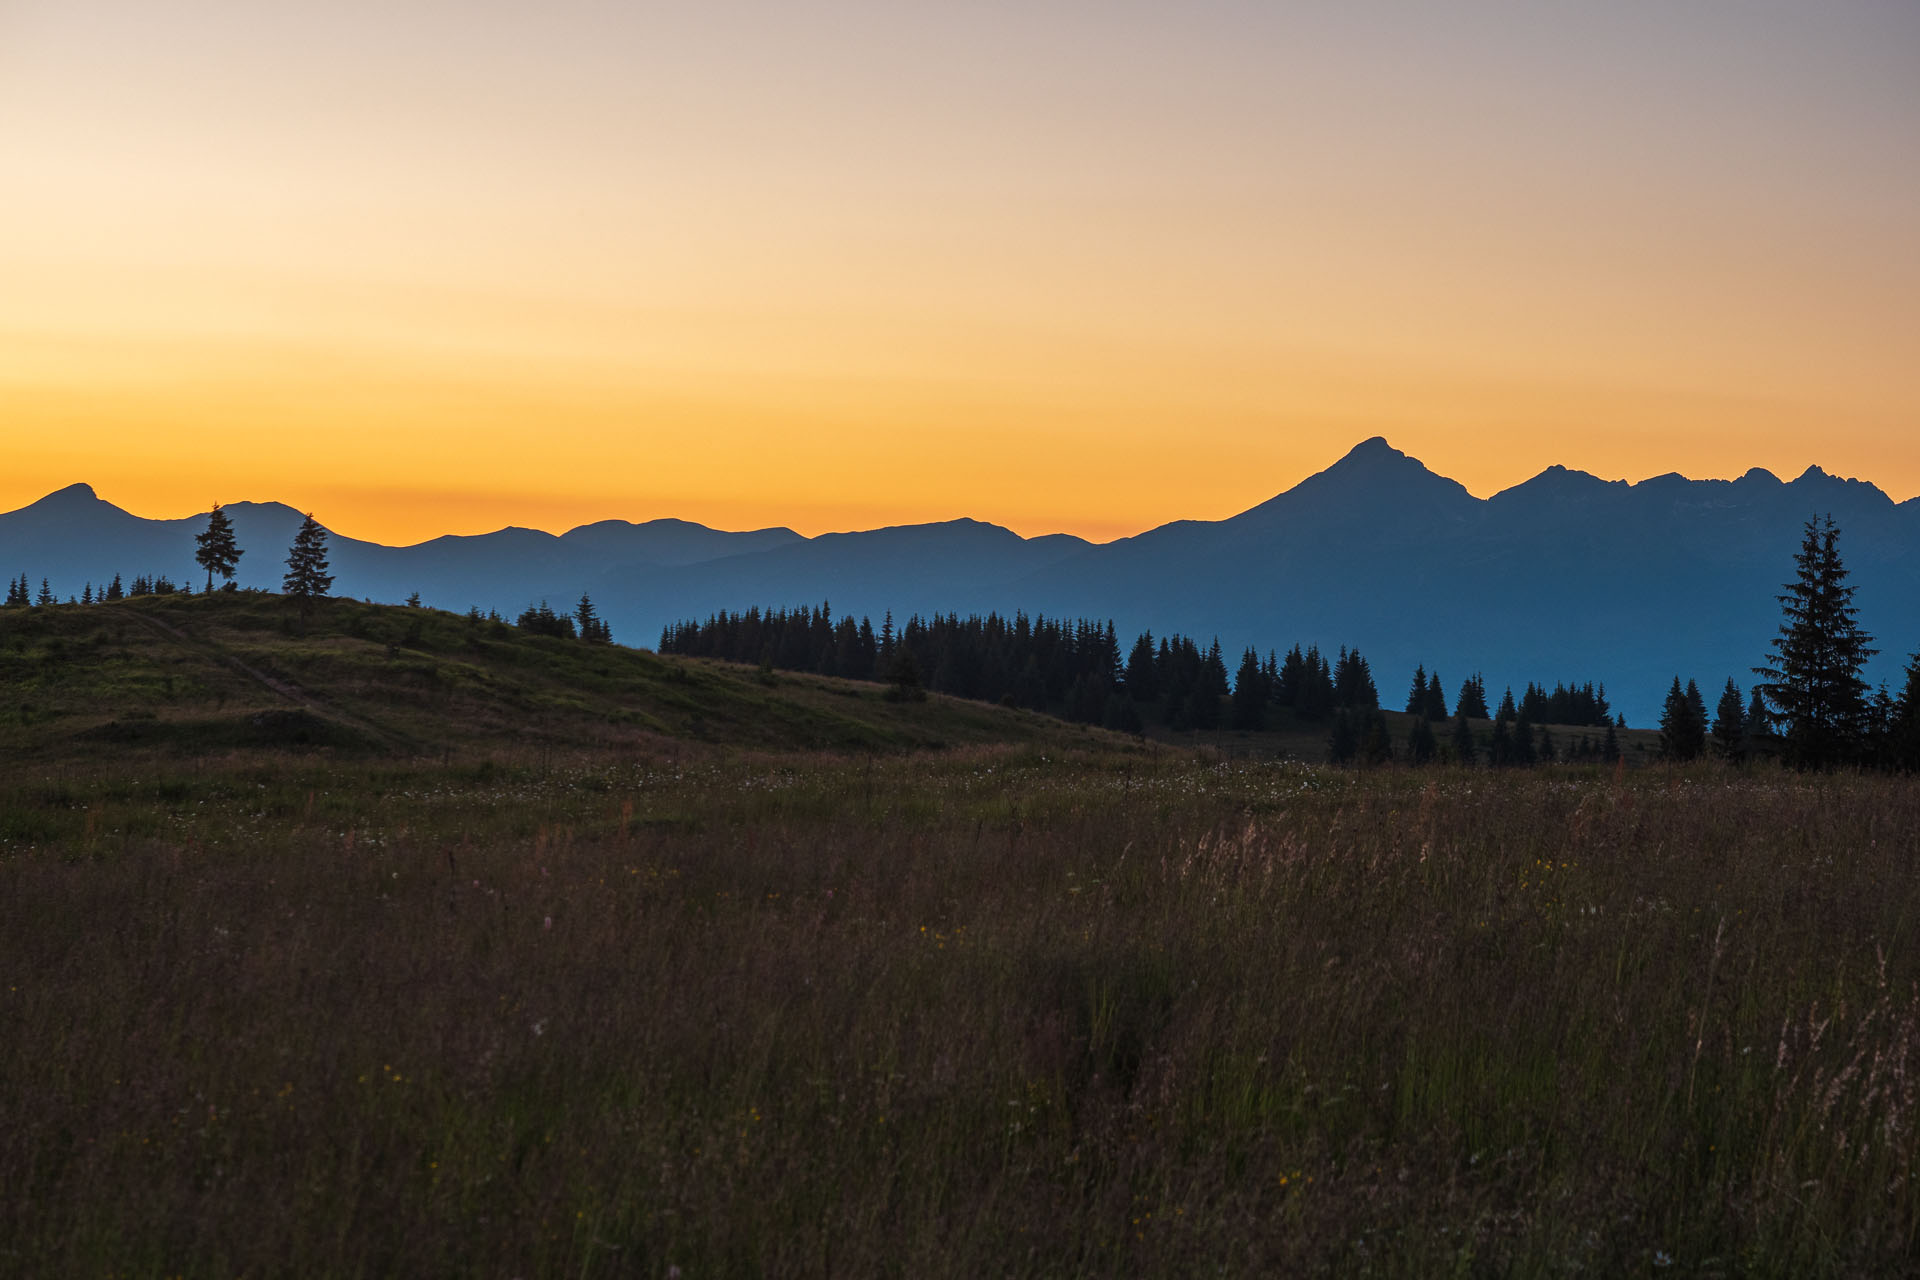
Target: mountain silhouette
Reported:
[(1564, 577)]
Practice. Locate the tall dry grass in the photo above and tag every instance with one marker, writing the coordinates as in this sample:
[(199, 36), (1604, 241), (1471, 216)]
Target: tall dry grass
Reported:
[(980, 1013)]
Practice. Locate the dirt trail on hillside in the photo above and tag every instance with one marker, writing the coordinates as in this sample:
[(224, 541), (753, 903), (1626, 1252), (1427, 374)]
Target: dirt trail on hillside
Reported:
[(290, 692)]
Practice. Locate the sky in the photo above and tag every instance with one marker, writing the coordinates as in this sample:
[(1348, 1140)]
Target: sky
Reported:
[(442, 267)]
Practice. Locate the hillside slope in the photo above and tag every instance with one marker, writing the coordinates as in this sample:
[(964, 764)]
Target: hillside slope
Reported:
[(231, 672)]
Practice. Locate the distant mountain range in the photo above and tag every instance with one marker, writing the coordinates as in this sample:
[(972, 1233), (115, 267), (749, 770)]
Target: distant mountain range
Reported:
[(1564, 577)]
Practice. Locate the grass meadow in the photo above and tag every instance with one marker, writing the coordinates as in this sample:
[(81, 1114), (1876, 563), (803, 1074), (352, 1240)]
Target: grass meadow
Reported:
[(990, 1010)]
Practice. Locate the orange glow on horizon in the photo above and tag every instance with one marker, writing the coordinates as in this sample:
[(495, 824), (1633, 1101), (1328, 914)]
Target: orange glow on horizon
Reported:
[(436, 270)]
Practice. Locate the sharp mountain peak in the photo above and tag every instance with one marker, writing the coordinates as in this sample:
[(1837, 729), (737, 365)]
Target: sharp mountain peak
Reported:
[(74, 495)]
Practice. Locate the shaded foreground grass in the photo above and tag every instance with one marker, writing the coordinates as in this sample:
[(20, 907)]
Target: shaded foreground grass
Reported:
[(982, 1012)]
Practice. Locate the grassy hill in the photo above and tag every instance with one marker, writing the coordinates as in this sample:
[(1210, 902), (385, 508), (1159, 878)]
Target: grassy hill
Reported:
[(211, 674)]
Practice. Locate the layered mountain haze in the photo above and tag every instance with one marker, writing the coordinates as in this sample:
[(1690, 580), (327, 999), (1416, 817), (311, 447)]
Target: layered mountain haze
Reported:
[(1566, 576)]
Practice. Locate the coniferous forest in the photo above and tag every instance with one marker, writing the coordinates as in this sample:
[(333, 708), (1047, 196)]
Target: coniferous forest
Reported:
[(1075, 669)]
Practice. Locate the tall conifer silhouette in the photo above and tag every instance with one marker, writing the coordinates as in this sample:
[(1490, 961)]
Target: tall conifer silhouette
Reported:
[(218, 551), (307, 577), (1813, 686)]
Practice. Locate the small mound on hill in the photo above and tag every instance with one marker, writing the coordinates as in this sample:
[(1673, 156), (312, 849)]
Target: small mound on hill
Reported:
[(273, 729)]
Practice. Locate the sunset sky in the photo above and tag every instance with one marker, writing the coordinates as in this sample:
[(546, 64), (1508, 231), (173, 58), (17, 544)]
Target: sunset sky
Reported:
[(442, 267)]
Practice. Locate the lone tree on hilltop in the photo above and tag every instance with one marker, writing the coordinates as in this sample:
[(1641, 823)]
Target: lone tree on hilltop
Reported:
[(1813, 687), (218, 552), (307, 577)]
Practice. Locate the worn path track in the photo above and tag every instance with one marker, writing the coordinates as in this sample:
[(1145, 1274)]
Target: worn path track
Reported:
[(290, 692)]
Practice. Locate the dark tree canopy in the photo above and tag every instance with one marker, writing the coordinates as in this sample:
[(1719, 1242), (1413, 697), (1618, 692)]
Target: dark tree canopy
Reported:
[(593, 629), (1582, 704), (1683, 723), (217, 552), (1813, 686), (1250, 693), (1903, 732), (307, 577), (1730, 724), (1464, 750), (1353, 685), (541, 620), (1421, 743)]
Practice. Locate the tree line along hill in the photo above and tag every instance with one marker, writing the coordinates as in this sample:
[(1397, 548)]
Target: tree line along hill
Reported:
[(1073, 669)]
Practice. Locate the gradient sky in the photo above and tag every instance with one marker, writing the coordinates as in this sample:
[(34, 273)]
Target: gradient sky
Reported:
[(440, 267)]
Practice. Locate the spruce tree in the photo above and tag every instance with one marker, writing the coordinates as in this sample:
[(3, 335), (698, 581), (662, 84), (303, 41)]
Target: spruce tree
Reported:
[(1316, 694), (1813, 686), (1903, 733), (1343, 742), (307, 578), (217, 552), (1436, 708), (1673, 716), (1376, 742), (114, 590), (1730, 724), (1683, 729), (1201, 709), (1293, 679), (592, 629), (1697, 708), (1759, 724), (1464, 751), (1142, 686), (1421, 744), (903, 677), (1353, 685), (1522, 750), (1249, 694), (45, 597), (1877, 750), (1500, 749), (1417, 696)]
